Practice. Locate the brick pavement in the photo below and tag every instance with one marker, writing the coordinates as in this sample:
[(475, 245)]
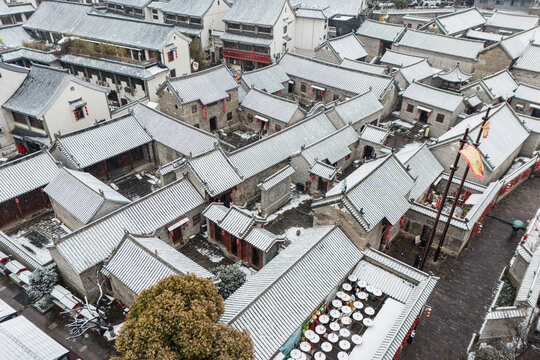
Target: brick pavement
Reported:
[(468, 282)]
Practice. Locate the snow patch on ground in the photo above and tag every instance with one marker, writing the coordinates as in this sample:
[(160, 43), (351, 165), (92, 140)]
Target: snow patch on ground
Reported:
[(291, 233), (297, 200), (248, 271), (518, 162), (244, 135), (211, 256)]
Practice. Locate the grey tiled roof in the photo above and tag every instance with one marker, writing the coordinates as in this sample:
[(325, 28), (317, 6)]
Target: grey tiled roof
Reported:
[(301, 276), (81, 194), (93, 243), (175, 134), (418, 72), (244, 39), (422, 166), (498, 85), (447, 45), (141, 261), (33, 55), (80, 20), (115, 67), (206, 86), (257, 12), (274, 107), (102, 141), (374, 134), (26, 174), (269, 151), (509, 20), (13, 36), (132, 3), (515, 45), (484, 36), (325, 171), (332, 147), (276, 178), (531, 123), (399, 59), (432, 96), (15, 8), (379, 30), (183, 7), (261, 239), (363, 66), (528, 93), (530, 59), (269, 78), (347, 46), (331, 7), (456, 75), (40, 89), (326, 74), (460, 21)]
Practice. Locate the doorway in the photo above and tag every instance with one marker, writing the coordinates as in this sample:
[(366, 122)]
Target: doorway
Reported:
[(535, 112), (424, 237), (213, 124), (368, 152), (234, 246), (176, 236), (424, 116)]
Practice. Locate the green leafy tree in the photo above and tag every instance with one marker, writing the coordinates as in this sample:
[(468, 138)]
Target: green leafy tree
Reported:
[(231, 276), (176, 319), (196, 52)]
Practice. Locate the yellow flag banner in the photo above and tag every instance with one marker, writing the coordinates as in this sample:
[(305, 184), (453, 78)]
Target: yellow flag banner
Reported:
[(473, 157), (486, 130)]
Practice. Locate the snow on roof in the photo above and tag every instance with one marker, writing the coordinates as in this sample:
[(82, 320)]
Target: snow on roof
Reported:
[(432, 96), (269, 105), (506, 134), (529, 290), (358, 108), (498, 85), (418, 72), (380, 30), (347, 46), (396, 58), (325, 171), (15, 8), (21, 339), (456, 75), (528, 93), (447, 45), (327, 74), (421, 165), (363, 66), (271, 150), (81, 194), (276, 178), (140, 262), (334, 147), (94, 242), (374, 134), (531, 123), (13, 36), (5, 310), (269, 78), (26, 174), (512, 20), (255, 12), (102, 141), (515, 45), (332, 7), (459, 21), (207, 86), (529, 60), (182, 7), (484, 36)]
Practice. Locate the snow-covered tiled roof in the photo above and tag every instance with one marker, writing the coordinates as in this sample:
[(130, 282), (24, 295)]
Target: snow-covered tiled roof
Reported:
[(512, 20), (81, 194), (26, 174), (364, 66), (456, 75), (102, 141), (325, 171), (374, 134), (94, 242), (531, 123), (327, 74), (432, 96), (358, 108), (276, 178), (528, 93), (269, 78), (515, 45), (529, 60), (21, 339), (272, 106), (140, 262), (255, 12), (13, 36), (380, 30), (333, 147), (206, 86), (459, 21), (442, 44), (396, 58), (418, 72), (498, 85), (484, 36), (347, 46), (182, 7)]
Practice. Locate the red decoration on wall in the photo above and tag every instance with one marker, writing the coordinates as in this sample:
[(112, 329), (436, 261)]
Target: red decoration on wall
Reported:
[(224, 106), (16, 200), (402, 220), (205, 114), (222, 232), (176, 54), (171, 233), (86, 110)]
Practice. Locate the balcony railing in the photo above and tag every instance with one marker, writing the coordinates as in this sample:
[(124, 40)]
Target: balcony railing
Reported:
[(247, 55)]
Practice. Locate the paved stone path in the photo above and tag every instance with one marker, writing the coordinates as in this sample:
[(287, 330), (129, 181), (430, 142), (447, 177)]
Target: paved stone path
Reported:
[(468, 282)]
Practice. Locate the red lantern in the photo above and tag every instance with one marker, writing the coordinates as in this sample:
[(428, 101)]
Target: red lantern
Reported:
[(237, 241), (329, 185), (171, 233), (402, 220), (312, 177), (205, 114), (428, 312), (224, 106), (86, 109), (16, 200), (222, 232), (230, 196)]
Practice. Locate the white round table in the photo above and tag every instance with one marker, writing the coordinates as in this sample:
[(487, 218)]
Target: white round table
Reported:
[(337, 303), (344, 345), (346, 286), (326, 346), (342, 355), (358, 305), (340, 294), (334, 314), (315, 339), (320, 329), (362, 284), (369, 288), (295, 354), (356, 339), (352, 278), (324, 319), (346, 310), (303, 356), (357, 316), (369, 311), (377, 292), (334, 326), (346, 298), (367, 321), (362, 295), (346, 320), (344, 333), (309, 334), (332, 337), (319, 356), (304, 346)]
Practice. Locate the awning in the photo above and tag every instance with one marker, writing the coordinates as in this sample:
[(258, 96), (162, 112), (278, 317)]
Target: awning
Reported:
[(291, 81), (178, 224), (171, 47), (75, 104), (261, 118), (535, 106), (424, 109), (318, 88)]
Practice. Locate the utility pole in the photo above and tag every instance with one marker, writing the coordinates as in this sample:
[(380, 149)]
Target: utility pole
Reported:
[(485, 119), (445, 195)]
